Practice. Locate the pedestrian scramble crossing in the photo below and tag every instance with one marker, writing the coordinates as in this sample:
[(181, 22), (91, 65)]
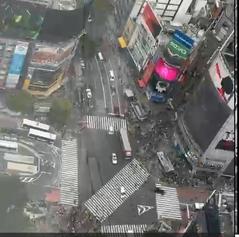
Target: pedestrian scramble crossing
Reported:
[(168, 204), (69, 173), (113, 230), (103, 122), (106, 200)]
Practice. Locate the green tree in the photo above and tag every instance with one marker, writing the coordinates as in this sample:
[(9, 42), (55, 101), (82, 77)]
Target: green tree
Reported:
[(88, 46), (103, 5), (60, 112), (20, 102)]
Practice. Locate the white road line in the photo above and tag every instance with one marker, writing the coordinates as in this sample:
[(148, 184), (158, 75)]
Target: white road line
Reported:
[(106, 200), (117, 91), (168, 204), (101, 79), (103, 123), (108, 83), (108, 229)]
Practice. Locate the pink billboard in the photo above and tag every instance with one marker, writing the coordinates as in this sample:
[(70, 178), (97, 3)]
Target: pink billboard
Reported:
[(166, 72)]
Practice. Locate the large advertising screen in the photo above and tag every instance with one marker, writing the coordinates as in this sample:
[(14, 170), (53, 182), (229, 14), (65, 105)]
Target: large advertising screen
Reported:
[(183, 39), (151, 20), (165, 71), (17, 64)]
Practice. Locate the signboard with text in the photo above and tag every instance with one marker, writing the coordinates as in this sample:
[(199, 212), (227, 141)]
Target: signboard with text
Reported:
[(183, 39), (177, 49)]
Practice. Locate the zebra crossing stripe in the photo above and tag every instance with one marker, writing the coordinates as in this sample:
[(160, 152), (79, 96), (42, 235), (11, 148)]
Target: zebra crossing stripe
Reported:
[(108, 229), (106, 200), (168, 204), (103, 123)]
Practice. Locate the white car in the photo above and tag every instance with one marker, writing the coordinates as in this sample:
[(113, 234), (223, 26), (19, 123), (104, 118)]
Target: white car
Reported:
[(114, 159), (88, 93), (112, 76), (89, 18), (111, 130), (122, 192)]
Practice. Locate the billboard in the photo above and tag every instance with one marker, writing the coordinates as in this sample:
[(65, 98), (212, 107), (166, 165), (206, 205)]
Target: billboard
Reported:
[(221, 78), (183, 39), (176, 49), (17, 64), (147, 75), (166, 72), (151, 20)]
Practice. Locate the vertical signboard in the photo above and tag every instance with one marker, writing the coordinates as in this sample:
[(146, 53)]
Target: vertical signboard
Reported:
[(151, 20), (16, 65)]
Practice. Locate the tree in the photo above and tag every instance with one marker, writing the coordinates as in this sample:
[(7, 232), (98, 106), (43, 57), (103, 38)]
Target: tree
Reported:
[(22, 102), (60, 112), (103, 5), (88, 46)]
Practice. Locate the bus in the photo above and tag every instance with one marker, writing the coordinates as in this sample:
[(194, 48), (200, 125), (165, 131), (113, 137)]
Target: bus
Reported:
[(22, 168), (41, 135), (19, 158), (26, 123), (9, 145), (125, 143)]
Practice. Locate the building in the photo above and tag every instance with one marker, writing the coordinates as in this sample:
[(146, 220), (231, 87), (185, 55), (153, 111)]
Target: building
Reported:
[(206, 127), (47, 67), (216, 218), (177, 11), (12, 55), (153, 42), (46, 42)]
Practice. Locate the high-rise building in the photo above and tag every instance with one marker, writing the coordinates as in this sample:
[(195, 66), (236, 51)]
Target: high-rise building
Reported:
[(207, 126)]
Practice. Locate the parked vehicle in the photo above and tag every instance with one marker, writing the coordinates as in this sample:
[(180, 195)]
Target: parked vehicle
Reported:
[(138, 111)]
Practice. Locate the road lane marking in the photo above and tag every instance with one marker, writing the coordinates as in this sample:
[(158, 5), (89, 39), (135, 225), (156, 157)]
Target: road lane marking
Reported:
[(103, 123), (117, 91), (106, 200), (102, 84), (108, 83)]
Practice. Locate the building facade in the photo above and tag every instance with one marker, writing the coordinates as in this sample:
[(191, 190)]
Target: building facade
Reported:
[(47, 67), (207, 125), (12, 60)]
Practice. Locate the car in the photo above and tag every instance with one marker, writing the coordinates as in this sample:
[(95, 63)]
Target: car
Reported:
[(88, 93), (122, 192), (111, 130), (89, 18), (100, 56), (112, 76), (114, 159)]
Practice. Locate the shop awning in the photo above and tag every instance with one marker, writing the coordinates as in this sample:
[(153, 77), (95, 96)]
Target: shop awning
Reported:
[(122, 42)]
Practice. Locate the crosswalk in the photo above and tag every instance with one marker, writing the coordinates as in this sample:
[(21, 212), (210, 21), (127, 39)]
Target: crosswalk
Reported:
[(118, 230), (26, 179), (103, 122), (69, 173), (103, 203), (168, 204)]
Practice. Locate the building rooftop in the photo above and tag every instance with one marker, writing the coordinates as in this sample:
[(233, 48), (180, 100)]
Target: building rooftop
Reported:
[(200, 119), (25, 20)]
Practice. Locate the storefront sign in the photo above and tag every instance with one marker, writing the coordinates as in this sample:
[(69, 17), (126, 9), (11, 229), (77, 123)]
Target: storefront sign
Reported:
[(183, 39), (177, 49)]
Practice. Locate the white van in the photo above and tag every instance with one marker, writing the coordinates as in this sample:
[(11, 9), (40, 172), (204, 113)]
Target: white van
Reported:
[(112, 75), (100, 56)]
